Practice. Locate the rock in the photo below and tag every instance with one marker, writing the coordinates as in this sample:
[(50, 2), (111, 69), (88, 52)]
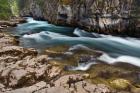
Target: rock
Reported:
[(17, 51), (57, 90), (135, 90), (18, 20), (53, 53), (76, 84), (86, 76), (53, 72), (84, 14), (61, 86), (20, 78), (7, 40), (8, 23), (87, 59), (30, 89), (120, 84), (1, 87)]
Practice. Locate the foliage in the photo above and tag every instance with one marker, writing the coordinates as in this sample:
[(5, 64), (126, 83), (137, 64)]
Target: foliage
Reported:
[(14, 7), (5, 10)]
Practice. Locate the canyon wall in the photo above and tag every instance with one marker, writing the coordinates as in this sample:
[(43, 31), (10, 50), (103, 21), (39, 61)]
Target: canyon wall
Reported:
[(103, 16)]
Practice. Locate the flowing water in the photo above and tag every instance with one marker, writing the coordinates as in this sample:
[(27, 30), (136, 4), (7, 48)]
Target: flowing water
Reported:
[(41, 34)]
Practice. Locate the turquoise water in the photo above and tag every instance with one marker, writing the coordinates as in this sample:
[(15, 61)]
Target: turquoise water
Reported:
[(41, 34)]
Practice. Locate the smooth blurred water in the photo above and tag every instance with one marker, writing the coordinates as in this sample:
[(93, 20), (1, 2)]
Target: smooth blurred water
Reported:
[(41, 34)]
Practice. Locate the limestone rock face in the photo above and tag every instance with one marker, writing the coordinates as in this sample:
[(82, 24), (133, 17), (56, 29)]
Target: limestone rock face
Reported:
[(100, 16)]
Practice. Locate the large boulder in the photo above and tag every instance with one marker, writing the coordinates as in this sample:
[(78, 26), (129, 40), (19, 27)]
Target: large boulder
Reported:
[(120, 84), (76, 84)]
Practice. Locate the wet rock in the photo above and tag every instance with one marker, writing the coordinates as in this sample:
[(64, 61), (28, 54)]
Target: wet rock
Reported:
[(87, 59), (20, 77), (120, 84), (22, 67), (83, 49), (105, 74), (53, 53)]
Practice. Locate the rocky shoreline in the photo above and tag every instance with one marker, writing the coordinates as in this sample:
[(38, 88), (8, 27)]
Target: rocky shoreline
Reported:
[(12, 22), (24, 70), (86, 14)]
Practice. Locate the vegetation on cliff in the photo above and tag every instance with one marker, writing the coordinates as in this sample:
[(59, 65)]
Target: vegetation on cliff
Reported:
[(8, 8), (5, 10)]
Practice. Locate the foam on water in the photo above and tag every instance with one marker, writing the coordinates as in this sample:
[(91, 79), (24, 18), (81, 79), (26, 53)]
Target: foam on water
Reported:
[(107, 44), (125, 59), (83, 67)]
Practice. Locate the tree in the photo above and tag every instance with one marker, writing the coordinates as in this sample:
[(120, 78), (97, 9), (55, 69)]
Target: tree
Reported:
[(5, 10)]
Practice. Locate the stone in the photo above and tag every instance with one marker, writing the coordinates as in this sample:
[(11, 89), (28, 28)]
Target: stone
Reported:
[(83, 14), (30, 89), (120, 84), (17, 51), (75, 83), (135, 90)]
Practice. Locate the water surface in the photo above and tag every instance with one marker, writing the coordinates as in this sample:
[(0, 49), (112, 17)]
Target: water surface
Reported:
[(41, 34)]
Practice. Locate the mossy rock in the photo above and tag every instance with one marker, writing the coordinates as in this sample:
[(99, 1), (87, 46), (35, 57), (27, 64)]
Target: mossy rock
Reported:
[(120, 84)]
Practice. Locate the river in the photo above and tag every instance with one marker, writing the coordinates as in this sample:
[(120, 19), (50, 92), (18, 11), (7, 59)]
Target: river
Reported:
[(41, 35)]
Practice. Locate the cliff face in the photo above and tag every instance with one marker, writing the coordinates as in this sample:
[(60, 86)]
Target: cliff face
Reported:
[(97, 15)]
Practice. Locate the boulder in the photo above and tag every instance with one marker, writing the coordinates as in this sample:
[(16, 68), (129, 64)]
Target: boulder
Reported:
[(75, 83), (8, 23), (120, 84), (30, 89), (17, 51)]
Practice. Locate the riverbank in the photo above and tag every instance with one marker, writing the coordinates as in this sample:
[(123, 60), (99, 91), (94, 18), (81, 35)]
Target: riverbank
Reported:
[(11, 23), (24, 70)]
